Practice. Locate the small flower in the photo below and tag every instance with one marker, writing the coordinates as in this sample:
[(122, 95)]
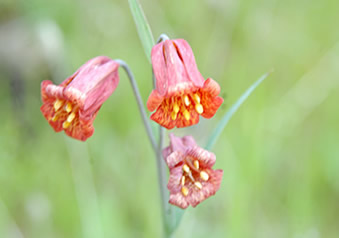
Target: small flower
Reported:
[(192, 178), (181, 93), (72, 106)]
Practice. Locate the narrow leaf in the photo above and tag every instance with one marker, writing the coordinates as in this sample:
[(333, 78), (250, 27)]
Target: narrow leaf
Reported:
[(228, 115), (173, 219), (144, 30)]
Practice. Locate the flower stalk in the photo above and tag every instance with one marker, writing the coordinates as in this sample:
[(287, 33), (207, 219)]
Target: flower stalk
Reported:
[(140, 103)]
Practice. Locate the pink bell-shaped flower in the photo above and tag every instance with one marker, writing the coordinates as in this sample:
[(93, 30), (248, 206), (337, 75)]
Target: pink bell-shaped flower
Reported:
[(181, 93), (192, 179), (72, 106)]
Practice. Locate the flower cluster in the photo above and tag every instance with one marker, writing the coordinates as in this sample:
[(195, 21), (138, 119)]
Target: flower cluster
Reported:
[(180, 97)]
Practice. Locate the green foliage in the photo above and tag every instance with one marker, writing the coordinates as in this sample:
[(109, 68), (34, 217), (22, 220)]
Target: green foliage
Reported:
[(228, 115), (143, 27)]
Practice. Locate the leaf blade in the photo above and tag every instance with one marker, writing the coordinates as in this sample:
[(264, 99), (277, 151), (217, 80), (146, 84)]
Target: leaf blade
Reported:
[(228, 115), (143, 28)]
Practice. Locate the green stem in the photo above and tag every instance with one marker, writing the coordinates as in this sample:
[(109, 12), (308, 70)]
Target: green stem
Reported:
[(162, 175), (140, 103)]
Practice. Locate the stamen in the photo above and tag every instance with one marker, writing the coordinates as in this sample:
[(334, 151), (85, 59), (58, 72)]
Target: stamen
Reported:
[(199, 108), (191, 176), (187, 100), (198, 185), (196, 164), (55, 118), (71, 117), (184, 191), (57, 104), (187, 115), (173, 115), (175, 108), (68, 107), (183, 180), (204, 176), (66, 124), (186, 168), (196, 98)]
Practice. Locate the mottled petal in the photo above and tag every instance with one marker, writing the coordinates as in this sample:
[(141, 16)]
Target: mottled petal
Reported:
[(176, 72), (163, 118), (166, 152), (174, 185), (212, 87), (49, 90), (208, 188), (81, 131), (210, 101), (154, 100), (187, 56), (178, 144), (178, 200), (98, 81), (208, 158), (181, 144), (173, 159), (159, 69)]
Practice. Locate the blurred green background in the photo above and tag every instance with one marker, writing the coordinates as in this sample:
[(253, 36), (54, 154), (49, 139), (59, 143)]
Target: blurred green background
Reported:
[(279, 153)]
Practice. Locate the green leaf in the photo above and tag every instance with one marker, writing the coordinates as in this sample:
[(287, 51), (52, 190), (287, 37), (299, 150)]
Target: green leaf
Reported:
[(144, 30), (173, 219), (228, 115)]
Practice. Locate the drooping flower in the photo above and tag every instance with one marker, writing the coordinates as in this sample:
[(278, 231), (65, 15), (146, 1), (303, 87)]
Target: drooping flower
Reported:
[(192, 179), (181, 93), (72, 106)]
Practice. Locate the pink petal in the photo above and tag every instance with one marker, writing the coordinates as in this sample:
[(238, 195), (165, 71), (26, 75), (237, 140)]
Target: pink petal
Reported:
[(208, 158), (212, 87), (154, 100), (181, 144), (188, 59), (174, 158), (174, 185), (178, 200), (159, 69)]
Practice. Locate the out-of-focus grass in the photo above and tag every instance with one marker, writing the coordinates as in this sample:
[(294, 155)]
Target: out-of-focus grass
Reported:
[(279, 153)]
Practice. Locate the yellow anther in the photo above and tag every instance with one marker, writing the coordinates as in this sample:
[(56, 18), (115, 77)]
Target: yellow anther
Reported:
[(186, 168), (71, 117), (187, 100), (199, 108), (196, 164), (196, 98), (66, 124), (173, 115), (198, 185), (57, 104), (183, 180), (187, 115), (175, 108), (68, 107), (55, 118), (204, 176), (184, 191)]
